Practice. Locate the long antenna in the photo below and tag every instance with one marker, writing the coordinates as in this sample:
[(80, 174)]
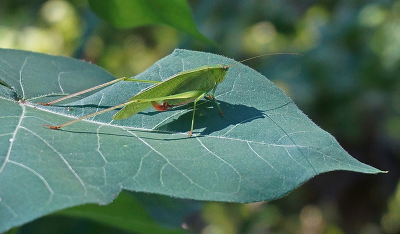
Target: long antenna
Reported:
[(264, 55)]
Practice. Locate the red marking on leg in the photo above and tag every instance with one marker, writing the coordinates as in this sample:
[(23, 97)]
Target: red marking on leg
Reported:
[(161, 107)]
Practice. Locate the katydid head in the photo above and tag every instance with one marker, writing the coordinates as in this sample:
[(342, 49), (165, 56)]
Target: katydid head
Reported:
[(219, 72)]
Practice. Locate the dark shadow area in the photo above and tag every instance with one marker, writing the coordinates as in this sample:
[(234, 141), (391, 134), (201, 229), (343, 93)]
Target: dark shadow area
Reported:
[(9, 92), (207, 117), (3, 83)]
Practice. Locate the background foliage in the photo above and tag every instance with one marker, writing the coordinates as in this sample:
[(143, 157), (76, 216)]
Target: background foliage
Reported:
[(347, 82)]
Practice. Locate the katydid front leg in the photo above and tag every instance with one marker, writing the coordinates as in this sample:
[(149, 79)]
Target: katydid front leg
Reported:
[(194, 110)]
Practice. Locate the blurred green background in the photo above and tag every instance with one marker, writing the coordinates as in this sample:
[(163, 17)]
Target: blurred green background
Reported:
[(348, 82)]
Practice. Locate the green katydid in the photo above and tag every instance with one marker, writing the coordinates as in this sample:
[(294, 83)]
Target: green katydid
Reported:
[(179, 89)]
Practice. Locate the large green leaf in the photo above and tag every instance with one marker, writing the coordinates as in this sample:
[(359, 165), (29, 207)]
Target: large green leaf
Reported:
[(136, 13), (262, 149), (124, 213)]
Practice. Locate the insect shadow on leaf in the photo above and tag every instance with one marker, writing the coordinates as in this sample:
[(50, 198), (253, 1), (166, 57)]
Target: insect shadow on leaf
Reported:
[(211, 121)]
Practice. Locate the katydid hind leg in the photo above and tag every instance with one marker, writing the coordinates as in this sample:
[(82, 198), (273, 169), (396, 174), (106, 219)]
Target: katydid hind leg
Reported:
[(82, 92), (131, 102), (85, 117), (98, 87)]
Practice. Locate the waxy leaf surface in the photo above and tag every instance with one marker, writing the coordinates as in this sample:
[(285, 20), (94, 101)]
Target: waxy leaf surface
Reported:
[(263, 148)]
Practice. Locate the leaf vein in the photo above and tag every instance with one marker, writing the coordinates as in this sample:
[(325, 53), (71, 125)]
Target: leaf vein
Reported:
[(51, 192), (221, 159), (61, 157)]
